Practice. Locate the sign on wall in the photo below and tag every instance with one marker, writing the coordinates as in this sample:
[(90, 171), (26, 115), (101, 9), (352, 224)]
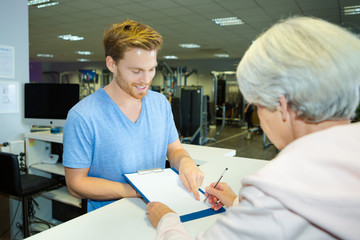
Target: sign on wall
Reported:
[(9, 97), (7, 62)]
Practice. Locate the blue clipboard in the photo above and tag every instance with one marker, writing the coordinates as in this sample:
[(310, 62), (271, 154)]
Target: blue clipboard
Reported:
[(140, 187)]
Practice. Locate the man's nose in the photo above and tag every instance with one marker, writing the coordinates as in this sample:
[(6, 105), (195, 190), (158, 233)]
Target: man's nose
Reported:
[(146, 78)]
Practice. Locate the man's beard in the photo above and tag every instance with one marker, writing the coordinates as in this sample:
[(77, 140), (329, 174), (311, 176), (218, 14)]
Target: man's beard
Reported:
[(130, 88)]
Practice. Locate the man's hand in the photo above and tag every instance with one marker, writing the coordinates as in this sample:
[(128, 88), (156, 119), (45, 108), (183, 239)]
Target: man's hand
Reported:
[(191, 176), (220, 196), (155, 211)]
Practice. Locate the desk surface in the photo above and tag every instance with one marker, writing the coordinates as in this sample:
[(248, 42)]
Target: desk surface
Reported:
[(119, 219), (57, 168), (204, 154), (45, 136)]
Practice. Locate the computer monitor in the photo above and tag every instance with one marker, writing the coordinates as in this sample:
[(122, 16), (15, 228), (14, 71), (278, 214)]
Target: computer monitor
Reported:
[(47, 104)]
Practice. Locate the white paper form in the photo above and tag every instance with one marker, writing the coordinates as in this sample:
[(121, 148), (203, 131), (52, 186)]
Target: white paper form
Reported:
[(166, 187), (7, 62)]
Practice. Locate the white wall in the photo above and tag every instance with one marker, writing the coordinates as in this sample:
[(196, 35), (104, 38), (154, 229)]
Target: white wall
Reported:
[(14, 25)]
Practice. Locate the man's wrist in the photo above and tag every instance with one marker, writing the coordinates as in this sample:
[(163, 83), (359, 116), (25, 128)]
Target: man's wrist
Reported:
[(186, 160)]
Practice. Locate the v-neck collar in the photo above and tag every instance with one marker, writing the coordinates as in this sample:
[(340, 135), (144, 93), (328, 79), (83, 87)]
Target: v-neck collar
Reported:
[(138, 121)]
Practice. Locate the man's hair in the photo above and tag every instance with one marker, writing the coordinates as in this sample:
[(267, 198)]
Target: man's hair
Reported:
[(313, 63), (120, 37)]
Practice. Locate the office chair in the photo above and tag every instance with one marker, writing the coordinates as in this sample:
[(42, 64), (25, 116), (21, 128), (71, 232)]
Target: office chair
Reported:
[(22, 185)]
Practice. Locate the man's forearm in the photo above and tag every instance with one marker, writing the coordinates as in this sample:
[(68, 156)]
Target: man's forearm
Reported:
[(100, 189), (180, 156)]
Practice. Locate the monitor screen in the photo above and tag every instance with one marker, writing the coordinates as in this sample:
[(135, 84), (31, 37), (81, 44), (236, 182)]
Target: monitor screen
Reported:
[(47, 104)]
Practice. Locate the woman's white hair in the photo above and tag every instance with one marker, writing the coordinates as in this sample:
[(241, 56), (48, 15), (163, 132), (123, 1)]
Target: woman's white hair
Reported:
[(313, 63)]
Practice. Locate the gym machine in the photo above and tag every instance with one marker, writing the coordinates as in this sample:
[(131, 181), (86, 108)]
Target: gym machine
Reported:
[(189, 105), (194, 116), (174, 78), (219, 91)]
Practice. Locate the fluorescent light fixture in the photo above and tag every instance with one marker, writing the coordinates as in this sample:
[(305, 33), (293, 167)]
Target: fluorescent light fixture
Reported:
[(70, 37), (352, 10), (84, 52), (228, 21), (170, 57), (221, 55), (45, 55), (189, 45), (34, 2), (47, 4), (83, 60)]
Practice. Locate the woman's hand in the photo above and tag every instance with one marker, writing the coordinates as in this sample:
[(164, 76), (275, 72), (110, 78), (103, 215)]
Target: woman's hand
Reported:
[(155, 211), (220, 196)]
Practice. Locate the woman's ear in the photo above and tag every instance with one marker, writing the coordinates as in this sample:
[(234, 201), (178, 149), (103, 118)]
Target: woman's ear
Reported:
[(110, 64), (284, 108)]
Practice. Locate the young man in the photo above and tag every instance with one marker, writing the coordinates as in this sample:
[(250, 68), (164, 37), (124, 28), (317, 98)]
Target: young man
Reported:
[(123, 127), (303, 76)]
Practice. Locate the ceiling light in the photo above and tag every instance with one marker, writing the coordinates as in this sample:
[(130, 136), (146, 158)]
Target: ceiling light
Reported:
[(83, 60), (221, 55), (34, 2), (45, 55), (189, 45), (170, 57), (352, 10), (228, 21), (84, 52), (47, 4), (70, 37)]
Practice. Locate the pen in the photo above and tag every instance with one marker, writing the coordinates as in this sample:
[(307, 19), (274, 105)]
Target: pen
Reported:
[(217, 182)]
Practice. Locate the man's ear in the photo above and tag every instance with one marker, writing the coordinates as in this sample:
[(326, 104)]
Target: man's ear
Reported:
[(110, 64), (284, 108)]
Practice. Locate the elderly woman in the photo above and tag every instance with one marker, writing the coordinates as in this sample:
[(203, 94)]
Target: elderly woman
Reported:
[(303, 75)]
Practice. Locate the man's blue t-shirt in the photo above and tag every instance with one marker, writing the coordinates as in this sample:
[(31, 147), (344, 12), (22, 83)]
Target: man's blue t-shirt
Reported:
[(97, 135)]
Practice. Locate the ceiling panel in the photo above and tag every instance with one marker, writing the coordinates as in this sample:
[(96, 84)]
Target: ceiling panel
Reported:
[(179, 21), (80, 5), (235, 4), (266, 3), (193, 2), (160, 4)]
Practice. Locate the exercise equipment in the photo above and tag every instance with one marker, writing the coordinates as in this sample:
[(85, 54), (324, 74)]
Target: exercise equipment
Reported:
[(222, 87), (191, 109), (174, 78), (193, 116)]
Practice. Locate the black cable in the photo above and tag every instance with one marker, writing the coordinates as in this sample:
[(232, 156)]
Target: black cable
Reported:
[(31, 208), (31, 216), (20, 227), (12, 221)]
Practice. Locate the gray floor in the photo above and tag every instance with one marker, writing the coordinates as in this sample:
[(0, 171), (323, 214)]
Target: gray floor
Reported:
[(235, 137)]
